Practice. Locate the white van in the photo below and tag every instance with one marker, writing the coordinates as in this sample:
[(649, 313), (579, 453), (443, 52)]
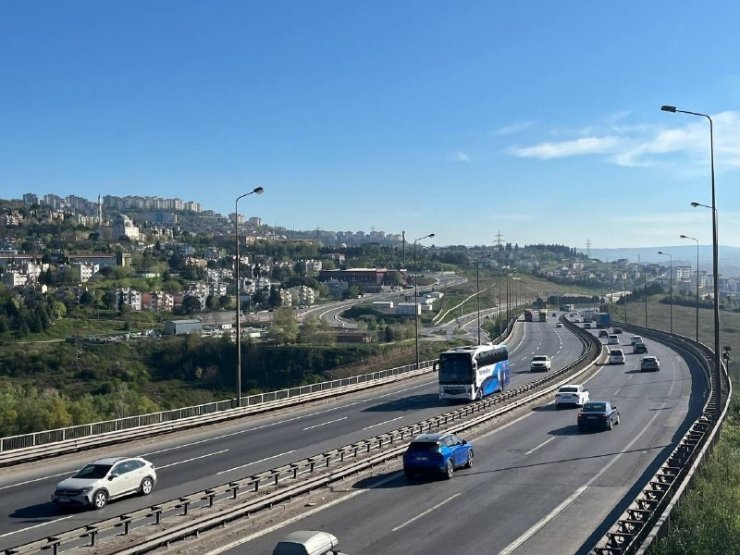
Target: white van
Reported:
[(308, 542)]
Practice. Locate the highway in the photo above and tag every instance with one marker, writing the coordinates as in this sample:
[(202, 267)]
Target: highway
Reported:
[(202, 458), (538, 485)]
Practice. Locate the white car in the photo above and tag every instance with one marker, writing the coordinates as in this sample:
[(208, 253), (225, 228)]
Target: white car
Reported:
[(613, 339), (616, 356), (572, 394), (635, 339), (540, 363), (105, 479)]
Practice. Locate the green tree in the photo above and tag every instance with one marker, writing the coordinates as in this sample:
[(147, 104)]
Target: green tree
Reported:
[(284, 328)]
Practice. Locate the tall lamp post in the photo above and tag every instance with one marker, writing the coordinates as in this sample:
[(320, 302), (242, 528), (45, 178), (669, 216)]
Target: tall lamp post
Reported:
[(416, 299), (255, 191), (697, 282), (671, 284), (477, 288), (715, 253)]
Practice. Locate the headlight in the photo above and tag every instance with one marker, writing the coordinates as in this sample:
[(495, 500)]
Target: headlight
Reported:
[(85, 490)]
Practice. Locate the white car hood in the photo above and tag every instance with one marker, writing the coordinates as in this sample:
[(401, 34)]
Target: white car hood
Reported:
[(77, 483)]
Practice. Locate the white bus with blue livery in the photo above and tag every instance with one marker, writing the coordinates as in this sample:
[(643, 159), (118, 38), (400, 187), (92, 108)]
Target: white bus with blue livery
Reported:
[(472, 372)]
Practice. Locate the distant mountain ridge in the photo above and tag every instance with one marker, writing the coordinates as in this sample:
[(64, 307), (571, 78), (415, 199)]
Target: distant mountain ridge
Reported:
[(729, 257)]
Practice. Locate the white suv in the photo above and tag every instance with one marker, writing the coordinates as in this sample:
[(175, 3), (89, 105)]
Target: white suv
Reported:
[(616, 356), (635, 339), (98, 482), (571, 394), (540, 363)]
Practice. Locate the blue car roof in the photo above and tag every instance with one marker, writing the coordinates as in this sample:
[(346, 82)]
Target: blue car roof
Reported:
[(429, 438)]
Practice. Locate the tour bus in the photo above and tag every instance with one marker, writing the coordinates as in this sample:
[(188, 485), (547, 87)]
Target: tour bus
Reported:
[(472, 372)]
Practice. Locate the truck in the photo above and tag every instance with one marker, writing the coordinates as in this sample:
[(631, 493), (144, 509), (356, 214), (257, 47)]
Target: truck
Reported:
[(603, 320), (528, 315), (543, 315)]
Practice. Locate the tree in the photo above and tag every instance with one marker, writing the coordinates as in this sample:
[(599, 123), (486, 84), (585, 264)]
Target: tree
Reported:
[(191, 304), (224, 302), (284, 328)]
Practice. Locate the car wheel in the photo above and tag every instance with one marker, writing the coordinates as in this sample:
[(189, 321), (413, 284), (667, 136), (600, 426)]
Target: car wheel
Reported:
[(609, 425), (100, 499), (469, 464), (617, 422), (449, 469), (147, 485)]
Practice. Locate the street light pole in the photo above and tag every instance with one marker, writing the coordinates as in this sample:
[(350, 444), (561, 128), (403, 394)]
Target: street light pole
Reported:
[(671, 286), (697, 282), (416, 299), (715, 254), (477, 288), (255, 191)]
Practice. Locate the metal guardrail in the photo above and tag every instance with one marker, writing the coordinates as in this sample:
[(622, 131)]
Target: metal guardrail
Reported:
[(96, 428), (48, 447), (253, 492), (22, 448), (648, 514)]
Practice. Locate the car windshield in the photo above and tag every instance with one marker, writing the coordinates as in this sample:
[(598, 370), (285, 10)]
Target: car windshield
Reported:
[(423, 447), (93, 471), (594, 407), (540, 358), (615, 353), (568, 389)]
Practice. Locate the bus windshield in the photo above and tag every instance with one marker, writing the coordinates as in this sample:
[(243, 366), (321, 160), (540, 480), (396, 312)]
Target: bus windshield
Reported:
[(455, 368)]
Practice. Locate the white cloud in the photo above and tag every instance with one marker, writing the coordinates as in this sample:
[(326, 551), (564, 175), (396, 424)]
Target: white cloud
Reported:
[(512, 129), (576, 147), (645, 144), (461, 156)]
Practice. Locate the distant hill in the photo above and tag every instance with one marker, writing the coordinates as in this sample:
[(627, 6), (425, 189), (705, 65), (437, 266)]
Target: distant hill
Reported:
[(729, 257)]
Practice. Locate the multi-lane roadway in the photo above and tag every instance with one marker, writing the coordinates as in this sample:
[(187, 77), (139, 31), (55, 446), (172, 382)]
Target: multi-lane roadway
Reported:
[(195, 460), (538, 485)]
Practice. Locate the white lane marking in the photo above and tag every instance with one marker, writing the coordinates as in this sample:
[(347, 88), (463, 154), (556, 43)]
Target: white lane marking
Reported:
[(256, 462), (35, 526), (324, 423), (36, 480), (557, 510), (193, 459), (540, 445), (536, 528), (285, 421), (425, 513), (296, 518), (381, 423)]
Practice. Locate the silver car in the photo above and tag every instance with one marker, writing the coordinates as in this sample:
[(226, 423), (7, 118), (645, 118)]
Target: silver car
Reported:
[(106, 479)]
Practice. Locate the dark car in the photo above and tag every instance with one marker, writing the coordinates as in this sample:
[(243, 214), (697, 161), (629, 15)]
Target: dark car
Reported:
[(437, 454), (618, 330), (603, 333), (598, 415), (639, 349)]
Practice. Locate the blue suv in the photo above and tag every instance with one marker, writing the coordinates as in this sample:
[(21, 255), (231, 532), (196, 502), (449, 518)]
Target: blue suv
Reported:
[(437, 454)]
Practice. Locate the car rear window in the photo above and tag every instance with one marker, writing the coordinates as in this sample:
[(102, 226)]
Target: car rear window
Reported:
[(616, 353), (423, 447), (539, 358), (568, 389), (594, 407)]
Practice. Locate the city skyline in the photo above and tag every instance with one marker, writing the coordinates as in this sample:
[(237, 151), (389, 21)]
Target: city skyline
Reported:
[(540, 121)]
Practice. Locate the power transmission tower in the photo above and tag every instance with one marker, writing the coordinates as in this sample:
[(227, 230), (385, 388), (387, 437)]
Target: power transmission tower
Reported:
[(499, 238)]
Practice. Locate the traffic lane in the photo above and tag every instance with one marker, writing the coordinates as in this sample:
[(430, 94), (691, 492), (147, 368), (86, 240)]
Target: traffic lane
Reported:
[(561, 344), (535, 482), (212, 460), (215, 459)]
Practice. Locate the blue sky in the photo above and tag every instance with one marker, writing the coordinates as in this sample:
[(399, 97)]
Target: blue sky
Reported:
[(538, 119)]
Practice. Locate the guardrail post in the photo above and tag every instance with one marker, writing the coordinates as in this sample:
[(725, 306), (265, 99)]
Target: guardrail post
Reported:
[(92, 531), (185, 504), (157, 513), (235, 488), (126, 523), (210, 494)]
